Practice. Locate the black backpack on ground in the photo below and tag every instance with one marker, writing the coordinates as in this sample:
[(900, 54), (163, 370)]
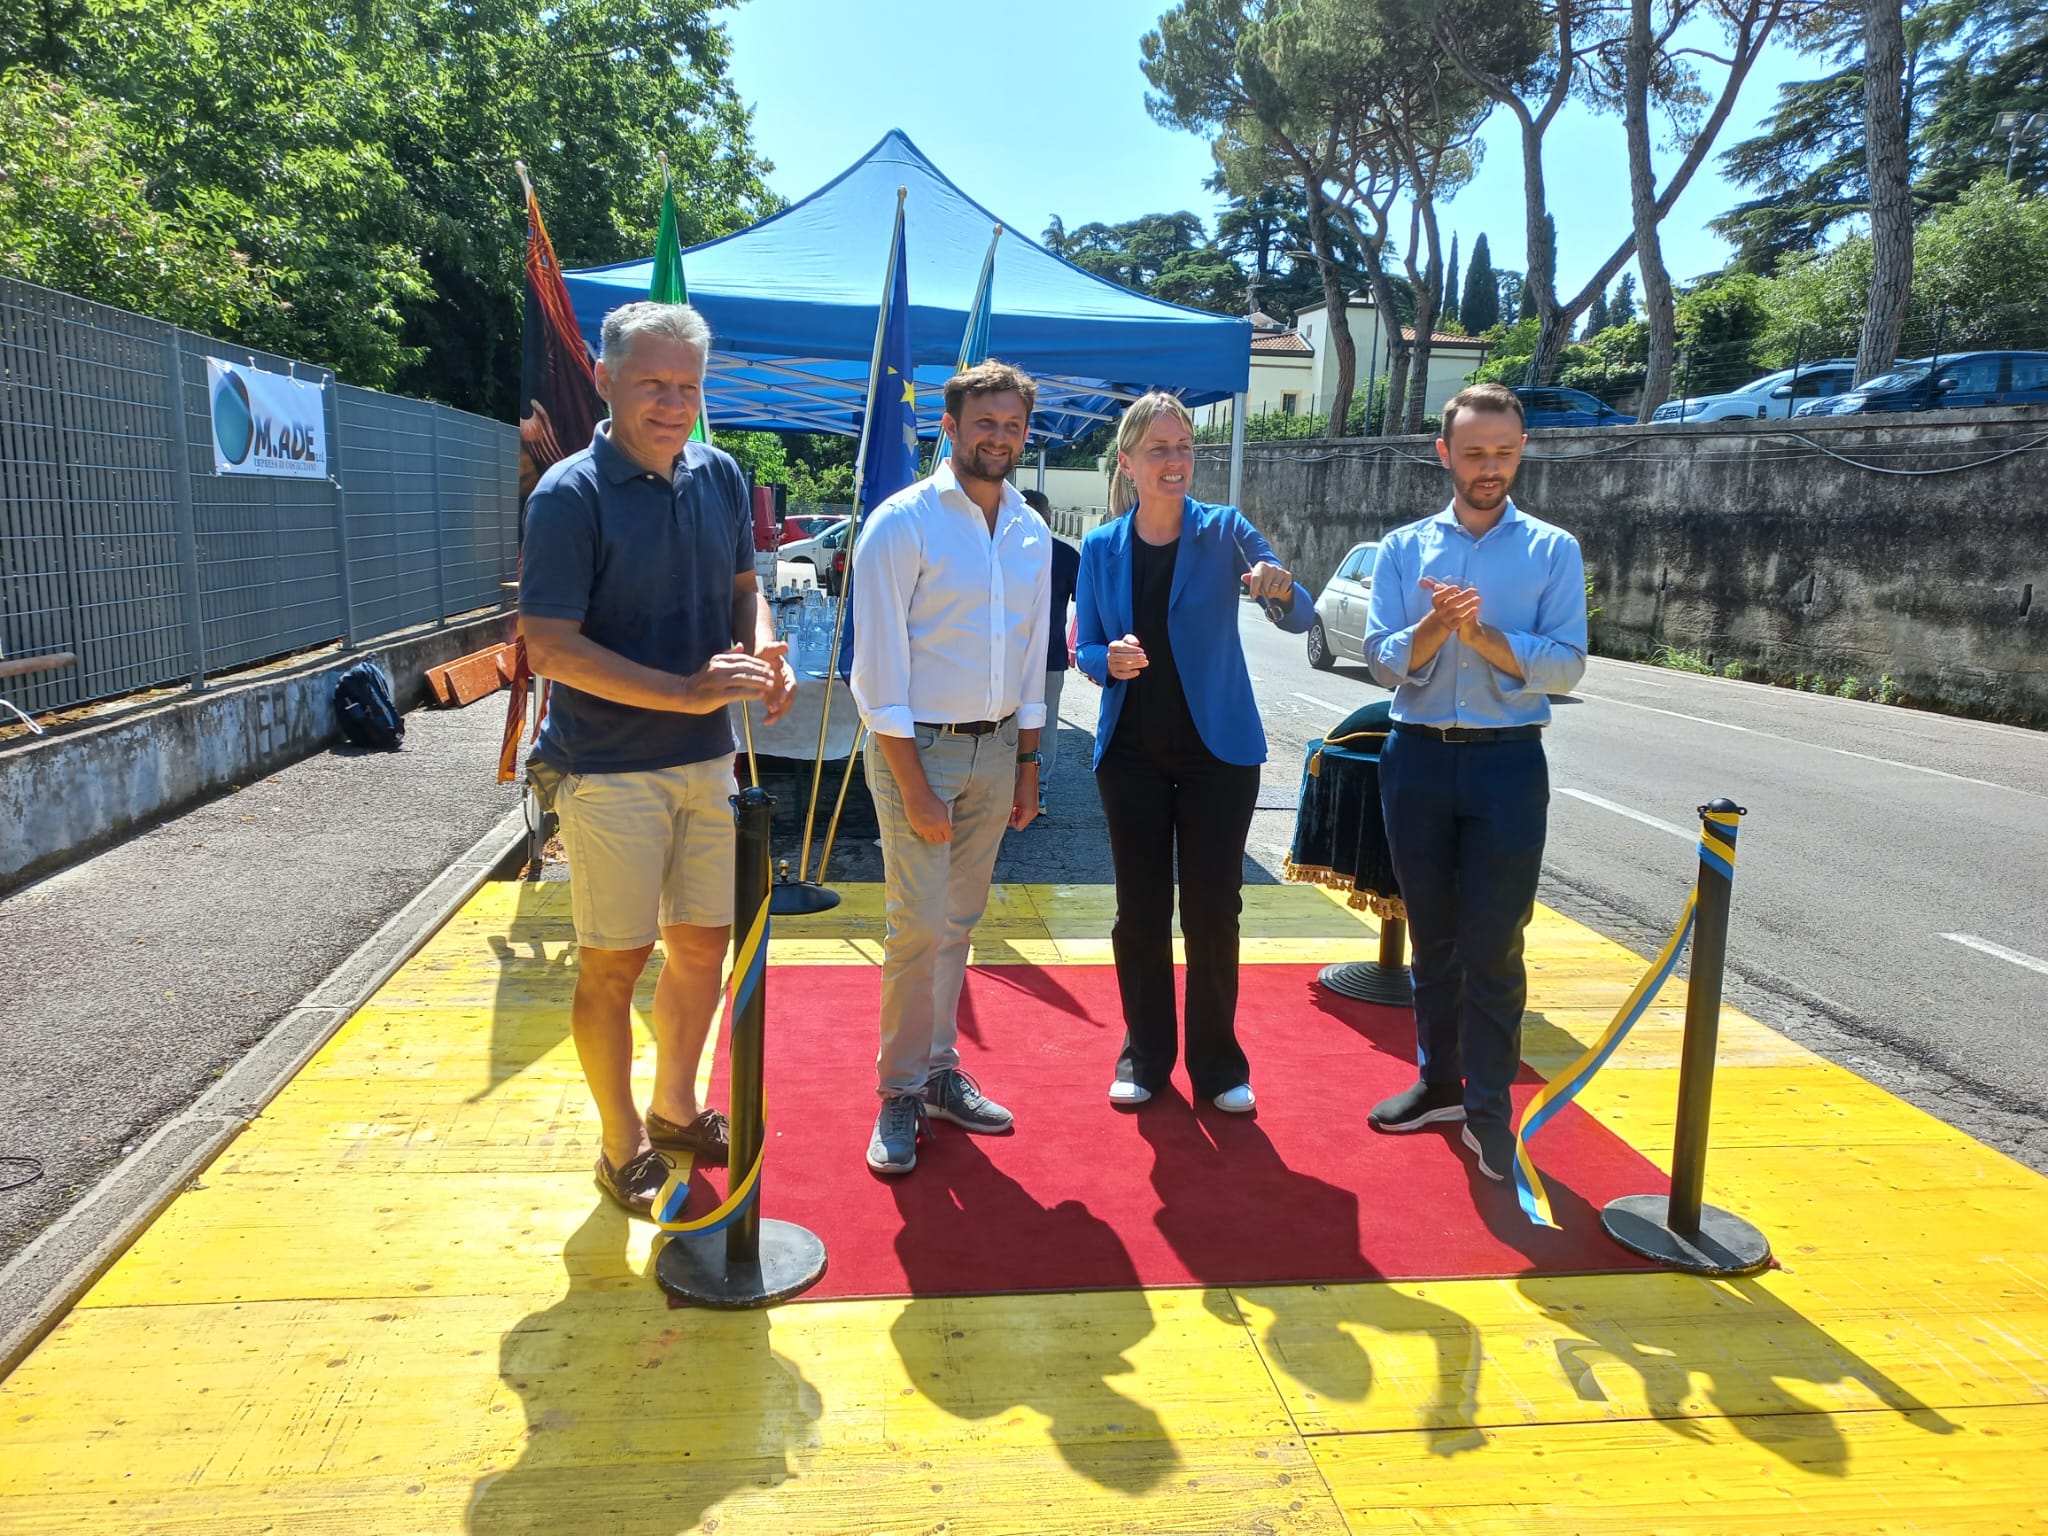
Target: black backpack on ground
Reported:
[(362, 698)]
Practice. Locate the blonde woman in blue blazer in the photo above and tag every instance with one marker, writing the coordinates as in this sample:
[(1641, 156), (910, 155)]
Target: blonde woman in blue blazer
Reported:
[(1178, 744)]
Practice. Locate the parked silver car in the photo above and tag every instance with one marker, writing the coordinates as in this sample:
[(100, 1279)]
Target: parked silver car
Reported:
[(1338, 633), (1773, 395)]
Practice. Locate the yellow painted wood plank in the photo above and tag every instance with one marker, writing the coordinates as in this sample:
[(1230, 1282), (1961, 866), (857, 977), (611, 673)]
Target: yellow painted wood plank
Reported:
[(1779, 1106), (1453, 1356), (1975, 1472), (1137, 1412), (1196, 1488)]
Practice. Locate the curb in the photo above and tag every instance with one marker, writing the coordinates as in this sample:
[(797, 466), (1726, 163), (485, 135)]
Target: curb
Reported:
[(46, 1279)]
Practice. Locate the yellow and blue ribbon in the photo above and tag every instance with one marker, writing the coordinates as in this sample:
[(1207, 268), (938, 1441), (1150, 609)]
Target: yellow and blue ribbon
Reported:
[(748, 970), (1717, 851)]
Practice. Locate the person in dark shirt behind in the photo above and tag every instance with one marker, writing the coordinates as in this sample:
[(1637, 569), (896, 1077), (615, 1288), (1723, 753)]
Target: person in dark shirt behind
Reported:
[(1066, 571)]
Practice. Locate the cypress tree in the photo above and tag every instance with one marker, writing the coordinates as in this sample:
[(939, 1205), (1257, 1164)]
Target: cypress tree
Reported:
[(1447, 304), (1623, 309), (1596, 314), (1479, 308)]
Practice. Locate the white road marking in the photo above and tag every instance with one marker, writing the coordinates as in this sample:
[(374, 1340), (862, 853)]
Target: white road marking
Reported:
[(1986, 947), (1601, 698), (1888, 762), (1309, 698), (1633, 815)]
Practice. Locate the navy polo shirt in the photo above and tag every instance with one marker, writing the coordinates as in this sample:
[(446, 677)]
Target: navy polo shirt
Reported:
[(646, 565)]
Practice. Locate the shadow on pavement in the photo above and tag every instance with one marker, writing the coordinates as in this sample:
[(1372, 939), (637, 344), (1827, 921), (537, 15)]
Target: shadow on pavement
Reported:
[(1062, 1370), (639, 1420), (530, 1007), (1307, 1336)]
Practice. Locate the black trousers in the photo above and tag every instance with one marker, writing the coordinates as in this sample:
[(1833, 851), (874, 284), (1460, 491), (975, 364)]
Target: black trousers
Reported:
[(1158, 806), (1465, 823)]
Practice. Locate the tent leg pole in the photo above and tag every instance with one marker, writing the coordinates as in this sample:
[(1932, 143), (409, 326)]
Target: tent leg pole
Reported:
[(1237, 450)]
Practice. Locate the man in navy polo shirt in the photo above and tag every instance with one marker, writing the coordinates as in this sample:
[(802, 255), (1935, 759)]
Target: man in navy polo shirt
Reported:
[(637, 599), (1478, 614)]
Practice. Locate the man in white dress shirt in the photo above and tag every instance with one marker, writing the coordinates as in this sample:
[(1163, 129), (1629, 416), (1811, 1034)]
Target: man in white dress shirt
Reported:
[(951, 601)]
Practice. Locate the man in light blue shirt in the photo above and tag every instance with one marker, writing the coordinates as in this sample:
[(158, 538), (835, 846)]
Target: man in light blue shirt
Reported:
[(1478, 614)]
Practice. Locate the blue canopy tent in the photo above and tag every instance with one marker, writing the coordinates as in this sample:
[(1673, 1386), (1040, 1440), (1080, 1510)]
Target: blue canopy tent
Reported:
[(792, 302)]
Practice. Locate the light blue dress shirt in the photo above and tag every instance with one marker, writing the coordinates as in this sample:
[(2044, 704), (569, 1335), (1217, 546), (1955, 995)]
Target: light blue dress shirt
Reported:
[(1532, 588)]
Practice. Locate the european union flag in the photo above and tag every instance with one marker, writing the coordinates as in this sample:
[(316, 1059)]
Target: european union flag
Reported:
[(892, 414), (892, 419)]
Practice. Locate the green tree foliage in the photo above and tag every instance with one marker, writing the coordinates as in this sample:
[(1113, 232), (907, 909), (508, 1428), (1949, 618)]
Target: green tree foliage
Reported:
[(354, 157), (75, 213), (1479, 304), (818, 469), (1966, 61), (1448, 307), (1981, 265), (1611, 365)]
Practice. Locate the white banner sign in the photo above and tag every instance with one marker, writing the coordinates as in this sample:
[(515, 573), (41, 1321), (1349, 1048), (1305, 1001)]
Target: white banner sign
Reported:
[(265, 423)]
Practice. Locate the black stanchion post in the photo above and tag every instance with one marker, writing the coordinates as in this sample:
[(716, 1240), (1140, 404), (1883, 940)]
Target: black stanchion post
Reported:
[(1385, 981), (753, 1262), (1679, 1230)]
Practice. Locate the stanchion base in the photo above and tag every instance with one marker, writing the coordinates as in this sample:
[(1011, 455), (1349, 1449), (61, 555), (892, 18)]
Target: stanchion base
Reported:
[(1368, 981), (694, 1269), (799, 898), (1724, 1245)]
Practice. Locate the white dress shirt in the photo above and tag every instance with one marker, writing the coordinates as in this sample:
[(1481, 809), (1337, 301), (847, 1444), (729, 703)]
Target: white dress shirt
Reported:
[(951, 623)]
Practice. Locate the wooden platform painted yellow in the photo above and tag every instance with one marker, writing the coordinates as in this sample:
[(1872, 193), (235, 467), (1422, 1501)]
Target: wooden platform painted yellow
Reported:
[(397, 1305)]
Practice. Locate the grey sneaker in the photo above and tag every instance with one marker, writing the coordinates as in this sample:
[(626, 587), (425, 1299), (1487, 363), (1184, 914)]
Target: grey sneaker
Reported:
[(1495, 1144), (898, 1129), (952, 1095)]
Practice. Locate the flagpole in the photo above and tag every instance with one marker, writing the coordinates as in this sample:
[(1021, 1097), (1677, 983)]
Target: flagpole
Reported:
[(974, 320), (860, 462)]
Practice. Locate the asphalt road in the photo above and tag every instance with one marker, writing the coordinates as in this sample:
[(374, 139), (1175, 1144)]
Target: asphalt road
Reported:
[(1891, 905), (131, 981)]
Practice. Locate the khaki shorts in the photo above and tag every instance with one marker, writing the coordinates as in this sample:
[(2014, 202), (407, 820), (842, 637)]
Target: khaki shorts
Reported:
[(648, 845)]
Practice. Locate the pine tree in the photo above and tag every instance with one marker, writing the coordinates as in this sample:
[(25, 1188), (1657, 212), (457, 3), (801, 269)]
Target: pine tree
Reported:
[(1596, 314), (1479, 309), (1623, 310), (1448, 308)]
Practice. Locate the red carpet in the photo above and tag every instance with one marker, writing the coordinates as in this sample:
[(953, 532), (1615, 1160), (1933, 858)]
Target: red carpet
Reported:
[(1082, 1196)]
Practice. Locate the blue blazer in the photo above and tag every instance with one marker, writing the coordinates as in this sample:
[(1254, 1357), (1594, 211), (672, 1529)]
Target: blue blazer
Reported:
[(1217, 546)]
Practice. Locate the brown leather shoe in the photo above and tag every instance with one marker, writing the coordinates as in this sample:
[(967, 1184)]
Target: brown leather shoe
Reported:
[(708, 1138), (635, 1186)]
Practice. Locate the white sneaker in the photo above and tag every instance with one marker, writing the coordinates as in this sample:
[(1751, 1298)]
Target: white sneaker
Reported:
[(1128, 1093), (1236, 1101)]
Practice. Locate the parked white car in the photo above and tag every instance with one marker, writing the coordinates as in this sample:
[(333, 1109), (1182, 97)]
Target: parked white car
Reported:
[(814, 551), (1338, 633), (1774, 395)]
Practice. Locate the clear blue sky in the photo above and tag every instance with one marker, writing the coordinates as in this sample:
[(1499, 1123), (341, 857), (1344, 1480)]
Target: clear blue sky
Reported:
[(1039, 109)]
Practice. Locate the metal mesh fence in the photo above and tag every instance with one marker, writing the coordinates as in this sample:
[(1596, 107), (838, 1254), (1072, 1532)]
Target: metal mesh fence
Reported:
[(119, 543)]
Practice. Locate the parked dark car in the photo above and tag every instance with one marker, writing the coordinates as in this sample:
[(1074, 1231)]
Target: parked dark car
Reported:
[(1544, 406), (1946, 383)]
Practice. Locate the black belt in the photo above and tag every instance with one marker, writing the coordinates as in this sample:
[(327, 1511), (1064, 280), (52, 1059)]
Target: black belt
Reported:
[(965, 727), (1458, 734)]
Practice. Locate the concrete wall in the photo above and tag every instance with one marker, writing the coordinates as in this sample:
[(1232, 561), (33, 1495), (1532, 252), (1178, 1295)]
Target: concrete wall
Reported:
[(84, 786), (1826, 551)]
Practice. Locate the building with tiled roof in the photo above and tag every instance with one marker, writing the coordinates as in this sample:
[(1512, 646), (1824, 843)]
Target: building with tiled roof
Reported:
[(1294, 369)]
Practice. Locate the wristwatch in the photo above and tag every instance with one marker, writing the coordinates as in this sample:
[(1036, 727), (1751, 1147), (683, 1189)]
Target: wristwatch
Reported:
[(1029, 757)]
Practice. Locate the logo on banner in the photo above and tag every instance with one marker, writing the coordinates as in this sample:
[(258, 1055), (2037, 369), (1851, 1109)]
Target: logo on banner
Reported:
[(265, 423)]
